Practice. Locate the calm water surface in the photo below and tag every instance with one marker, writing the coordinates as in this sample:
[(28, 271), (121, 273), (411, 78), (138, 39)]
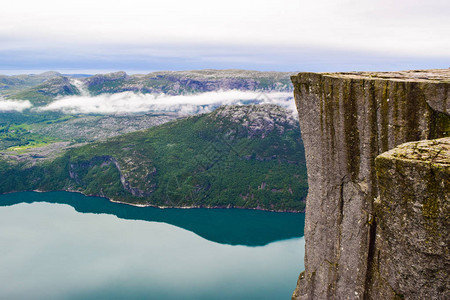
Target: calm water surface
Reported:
[(67, 246)]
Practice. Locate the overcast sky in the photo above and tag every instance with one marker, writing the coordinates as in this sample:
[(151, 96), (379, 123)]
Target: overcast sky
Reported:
[(283, 35)]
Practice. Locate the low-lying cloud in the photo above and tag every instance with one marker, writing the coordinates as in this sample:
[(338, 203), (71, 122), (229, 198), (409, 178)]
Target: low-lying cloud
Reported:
[(14, 105), (129, 102)]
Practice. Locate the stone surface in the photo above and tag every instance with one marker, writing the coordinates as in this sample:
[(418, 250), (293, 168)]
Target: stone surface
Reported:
[(258, 120), (411, 256), (347, 120)]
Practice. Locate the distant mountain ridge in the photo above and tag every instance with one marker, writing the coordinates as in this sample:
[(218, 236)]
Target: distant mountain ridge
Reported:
[(17, 82), (43, 88)]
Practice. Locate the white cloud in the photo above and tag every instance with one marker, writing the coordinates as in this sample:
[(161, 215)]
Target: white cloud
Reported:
[(14, 105), (129, 102), (407, 27)]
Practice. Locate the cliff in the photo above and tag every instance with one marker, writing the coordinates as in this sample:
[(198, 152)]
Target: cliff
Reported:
[(347, 120)]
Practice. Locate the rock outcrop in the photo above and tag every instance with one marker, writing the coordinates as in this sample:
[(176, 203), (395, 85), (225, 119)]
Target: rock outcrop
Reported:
[(347, 120), (411, 255), (258, 121)]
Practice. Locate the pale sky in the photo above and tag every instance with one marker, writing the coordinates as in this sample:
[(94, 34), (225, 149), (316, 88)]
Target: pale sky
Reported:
[(294, 35)]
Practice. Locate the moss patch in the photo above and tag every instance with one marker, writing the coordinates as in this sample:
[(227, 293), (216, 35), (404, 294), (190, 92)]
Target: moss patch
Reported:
[(430, 208)]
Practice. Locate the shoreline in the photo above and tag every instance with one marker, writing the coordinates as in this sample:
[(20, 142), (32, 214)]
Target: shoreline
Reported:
[(194, 207), (156, 206)]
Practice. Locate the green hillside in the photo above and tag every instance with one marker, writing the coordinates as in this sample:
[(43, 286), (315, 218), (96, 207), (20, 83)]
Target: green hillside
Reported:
[(12, 84), (46, 92), (237, 156)]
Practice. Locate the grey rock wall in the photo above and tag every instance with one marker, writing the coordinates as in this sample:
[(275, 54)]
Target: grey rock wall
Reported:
[(347, 120)]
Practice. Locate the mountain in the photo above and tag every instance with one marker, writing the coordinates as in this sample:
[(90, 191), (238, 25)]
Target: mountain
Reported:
[(46, 87), (12, 84), (237, 156), (189, 82), (47, 91)]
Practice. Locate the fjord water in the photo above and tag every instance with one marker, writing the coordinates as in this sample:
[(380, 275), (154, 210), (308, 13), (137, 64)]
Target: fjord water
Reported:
[(49, 250)]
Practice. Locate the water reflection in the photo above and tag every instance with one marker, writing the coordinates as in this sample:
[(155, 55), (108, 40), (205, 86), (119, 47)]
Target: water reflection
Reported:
[(225, 226), (49, 251)]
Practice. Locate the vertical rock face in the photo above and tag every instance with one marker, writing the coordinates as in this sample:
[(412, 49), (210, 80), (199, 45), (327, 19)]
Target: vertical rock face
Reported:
[(411, 256), (347, 120)]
